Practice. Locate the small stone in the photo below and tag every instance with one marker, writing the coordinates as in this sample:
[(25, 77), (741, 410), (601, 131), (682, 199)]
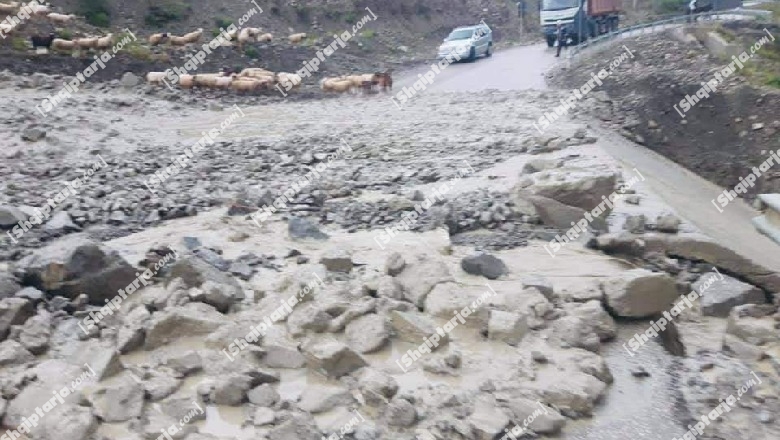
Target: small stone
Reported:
[(639, 372), (484, 264)]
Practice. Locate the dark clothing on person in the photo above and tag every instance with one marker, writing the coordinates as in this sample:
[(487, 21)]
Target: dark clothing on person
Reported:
[(561, 40)]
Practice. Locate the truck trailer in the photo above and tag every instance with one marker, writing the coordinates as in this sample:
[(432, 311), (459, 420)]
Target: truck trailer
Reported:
[(581, 19)]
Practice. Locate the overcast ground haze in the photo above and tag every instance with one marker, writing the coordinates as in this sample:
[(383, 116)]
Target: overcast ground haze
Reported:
[(555, 336)]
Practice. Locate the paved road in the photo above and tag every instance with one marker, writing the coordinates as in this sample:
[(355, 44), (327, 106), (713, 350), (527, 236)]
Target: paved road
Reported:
[(688, 194)]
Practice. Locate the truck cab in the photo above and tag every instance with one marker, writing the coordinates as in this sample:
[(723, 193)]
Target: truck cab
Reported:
[(580, 18)]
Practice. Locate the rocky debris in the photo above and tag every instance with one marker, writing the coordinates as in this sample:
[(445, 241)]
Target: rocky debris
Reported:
[(574, 394), (276, 356), (668, 223), (400, 412), (507, 327), (580, 189), (415, 328), (75, 265), (639, 293), (368, 333), (488, 420), (535, 165), (189, 320), (337, 261), (185, 363), (718, 297), (485, 265), (13, 353), (14, 311), (160, 383), (212, 257), (194, 272), (219, 296), (301, 228), (263, 416), (331, 358), (376, 387), (121, 401), (753, 324), (35, 333), (560, 215), (60, 223), (231, 390), (10, 217), (68, 422), (419, 278), (8, 285), (132, 333), (548, 422), (319, 398), (263, 395), (33, 134), (541, 284), (635, 224), (395, 264), (298, 427)]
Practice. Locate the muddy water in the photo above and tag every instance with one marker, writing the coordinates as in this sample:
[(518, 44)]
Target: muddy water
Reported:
[(634, 408)]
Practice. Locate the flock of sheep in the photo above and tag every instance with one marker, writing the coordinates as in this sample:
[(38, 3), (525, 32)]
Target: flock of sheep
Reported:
[(250, 79)]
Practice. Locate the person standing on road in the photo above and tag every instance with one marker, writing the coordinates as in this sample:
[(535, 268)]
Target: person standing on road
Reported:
[(560, 35), (691, 10)]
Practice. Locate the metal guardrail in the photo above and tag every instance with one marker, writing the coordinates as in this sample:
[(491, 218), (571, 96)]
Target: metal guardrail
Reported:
[(663, 24)]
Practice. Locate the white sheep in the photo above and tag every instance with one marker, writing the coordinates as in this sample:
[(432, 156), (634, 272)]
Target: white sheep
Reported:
[(155, 77), (193, 37), (265, 38), (105, 42), (296, 38), (156, 39), (60, 44), (9, 8), (60, 18)]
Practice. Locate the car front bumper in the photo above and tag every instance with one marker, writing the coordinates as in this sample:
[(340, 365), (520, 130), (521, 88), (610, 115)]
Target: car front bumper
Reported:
[(451, 52)]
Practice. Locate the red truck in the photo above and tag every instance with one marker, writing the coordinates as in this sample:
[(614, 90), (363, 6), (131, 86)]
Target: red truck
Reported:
[(580, 19)]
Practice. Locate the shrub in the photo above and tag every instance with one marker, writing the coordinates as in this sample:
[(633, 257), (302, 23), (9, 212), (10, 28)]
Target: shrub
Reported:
[(350, 18), (65, 34), (251, 52), (95, 12), (671, 6), (303, 12), (19, 43), (368, 34), (223, 22), (166, 12)]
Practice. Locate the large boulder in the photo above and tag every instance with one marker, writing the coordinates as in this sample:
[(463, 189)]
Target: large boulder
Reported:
[(414, 328), (560, 215), (332, 358), (484, 264), (76, 265), (580, 188), (121, 401), (753, 324), (418, 278), (190, 320), (718, 297), (507, 326), (639, 293), (368, 333), (216, 287)]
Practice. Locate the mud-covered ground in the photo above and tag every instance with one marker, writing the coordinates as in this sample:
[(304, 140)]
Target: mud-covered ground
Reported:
[(721, 138)]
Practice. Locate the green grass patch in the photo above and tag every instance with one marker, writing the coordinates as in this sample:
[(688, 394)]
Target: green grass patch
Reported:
[(166, 12), (95, 12), (19, 43)]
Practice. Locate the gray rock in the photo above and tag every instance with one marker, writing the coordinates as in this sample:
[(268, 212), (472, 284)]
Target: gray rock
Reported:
[(639, 293), (507, 327), (635, 224), (195, 272), (75, 265), (185, 364), (212, 258), (190, 320), (8, 285), (35, 333), (129, 80), (668, 223), (540, 283), (60, 223), (581, 189), (131, 334), (548, 421), (484, 264), (395, 264), (487, 420), (10, 217), (332, 358), (263, 395), (14, 311), (337, 260), (13, 353), (263, 416), (414, 327), (33, 134), (160, 383), (559, 215), (376, 386), (320, 398), (420, 277), (301, 228), (29, 293), (121, 401), (221, 296), (277, 356), (718, 297), (536, 165), (298, 427), (68, 422), (368, 333), (231, 390), (401, 413)]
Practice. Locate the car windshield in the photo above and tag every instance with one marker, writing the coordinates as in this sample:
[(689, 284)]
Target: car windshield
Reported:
[(460, 34), (555, 5)]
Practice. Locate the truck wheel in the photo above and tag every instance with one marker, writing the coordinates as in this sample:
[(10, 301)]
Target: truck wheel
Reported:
[(472, 54), (550, 41)]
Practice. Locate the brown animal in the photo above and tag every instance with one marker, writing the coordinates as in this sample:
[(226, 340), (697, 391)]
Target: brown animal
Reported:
[(384, 80), (156, 39), (60, 44), (177, 41), (87, 43), (296, 38)]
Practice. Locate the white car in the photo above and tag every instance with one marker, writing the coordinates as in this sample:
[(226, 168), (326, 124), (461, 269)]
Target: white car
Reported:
[(468, 42)]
